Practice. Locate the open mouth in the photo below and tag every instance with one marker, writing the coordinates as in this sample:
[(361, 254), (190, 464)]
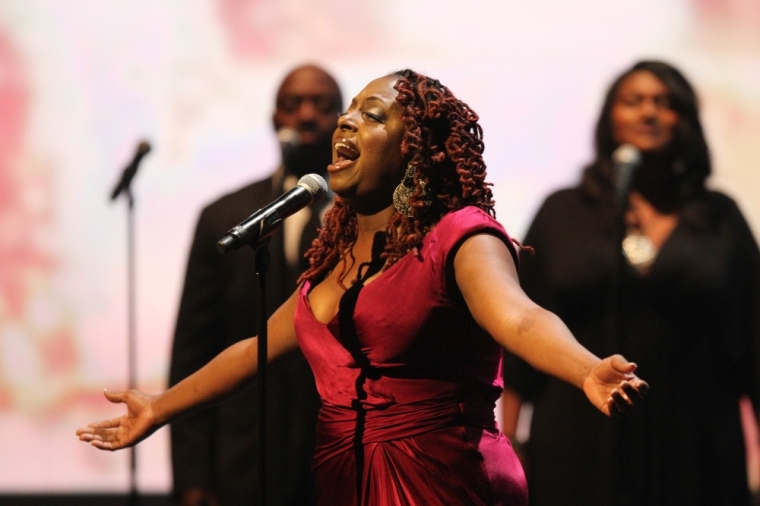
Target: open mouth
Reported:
[(346, 153), (346, 150)]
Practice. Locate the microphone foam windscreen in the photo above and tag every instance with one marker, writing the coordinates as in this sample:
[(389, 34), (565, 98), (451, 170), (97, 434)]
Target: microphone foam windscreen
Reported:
[(626, 155), (315, 184), (287, 137)]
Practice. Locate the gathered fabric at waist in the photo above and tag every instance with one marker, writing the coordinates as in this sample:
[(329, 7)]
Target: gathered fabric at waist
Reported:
[(340, 428)]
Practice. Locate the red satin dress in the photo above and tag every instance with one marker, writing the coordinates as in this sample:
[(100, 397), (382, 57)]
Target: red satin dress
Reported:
[(408, 384)]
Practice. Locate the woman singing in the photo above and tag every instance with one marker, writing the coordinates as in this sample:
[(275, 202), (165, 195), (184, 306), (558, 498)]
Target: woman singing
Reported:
[(411, 295)]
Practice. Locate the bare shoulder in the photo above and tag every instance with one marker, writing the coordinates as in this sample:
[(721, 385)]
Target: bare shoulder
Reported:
[(483, 253)]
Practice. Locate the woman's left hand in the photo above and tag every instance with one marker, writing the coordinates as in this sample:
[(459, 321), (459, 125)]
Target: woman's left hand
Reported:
[(612, 387)]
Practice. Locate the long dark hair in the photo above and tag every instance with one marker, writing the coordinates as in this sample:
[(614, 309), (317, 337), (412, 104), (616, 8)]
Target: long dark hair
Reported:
[(444, 142), (688, 155)]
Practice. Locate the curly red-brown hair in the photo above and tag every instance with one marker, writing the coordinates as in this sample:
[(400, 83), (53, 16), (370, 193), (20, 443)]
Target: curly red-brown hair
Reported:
[(443, 141)]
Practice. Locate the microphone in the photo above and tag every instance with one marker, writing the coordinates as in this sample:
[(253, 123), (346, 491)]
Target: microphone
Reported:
[(260, 226), (130, 170), (288, 138), (625, 160)]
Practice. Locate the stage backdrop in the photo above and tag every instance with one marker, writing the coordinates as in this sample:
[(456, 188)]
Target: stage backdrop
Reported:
[(83, 81)]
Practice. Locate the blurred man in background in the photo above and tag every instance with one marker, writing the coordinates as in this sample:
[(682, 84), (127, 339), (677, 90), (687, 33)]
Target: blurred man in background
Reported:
[(214, 451)]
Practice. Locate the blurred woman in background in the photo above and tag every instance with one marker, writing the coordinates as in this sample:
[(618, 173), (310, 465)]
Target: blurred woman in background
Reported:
[(671, 279)]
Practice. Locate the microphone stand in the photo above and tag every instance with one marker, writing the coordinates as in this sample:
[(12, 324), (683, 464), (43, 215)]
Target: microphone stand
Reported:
[(620, 208), (131, 339), (626, 159), (256, 231), (619, 317), (262, 265), (124, 186), (131, 332)]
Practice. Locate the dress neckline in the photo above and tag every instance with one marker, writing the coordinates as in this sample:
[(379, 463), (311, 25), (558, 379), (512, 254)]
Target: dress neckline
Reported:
[(366, 270)]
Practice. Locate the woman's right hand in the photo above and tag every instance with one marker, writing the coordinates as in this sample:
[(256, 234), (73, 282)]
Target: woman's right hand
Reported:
[(138, 423)]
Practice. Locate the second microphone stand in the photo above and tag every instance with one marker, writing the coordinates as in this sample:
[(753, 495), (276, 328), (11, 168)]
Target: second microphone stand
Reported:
[(617, 331)]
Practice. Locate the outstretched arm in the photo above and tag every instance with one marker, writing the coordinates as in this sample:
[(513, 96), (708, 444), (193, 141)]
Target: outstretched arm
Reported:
[(487, 277), (217, 379)]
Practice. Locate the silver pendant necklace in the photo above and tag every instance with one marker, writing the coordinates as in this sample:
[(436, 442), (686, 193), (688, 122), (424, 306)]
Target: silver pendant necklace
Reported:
[(639, 250)]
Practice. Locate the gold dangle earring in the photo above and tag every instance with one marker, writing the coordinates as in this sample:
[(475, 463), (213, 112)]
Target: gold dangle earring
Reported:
[(405, 189)]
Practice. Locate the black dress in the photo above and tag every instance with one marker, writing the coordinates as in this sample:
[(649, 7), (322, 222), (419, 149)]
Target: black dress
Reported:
[(693, 327)]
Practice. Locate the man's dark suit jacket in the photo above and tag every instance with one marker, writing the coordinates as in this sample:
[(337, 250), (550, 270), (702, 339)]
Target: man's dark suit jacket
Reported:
[(216, 448)]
